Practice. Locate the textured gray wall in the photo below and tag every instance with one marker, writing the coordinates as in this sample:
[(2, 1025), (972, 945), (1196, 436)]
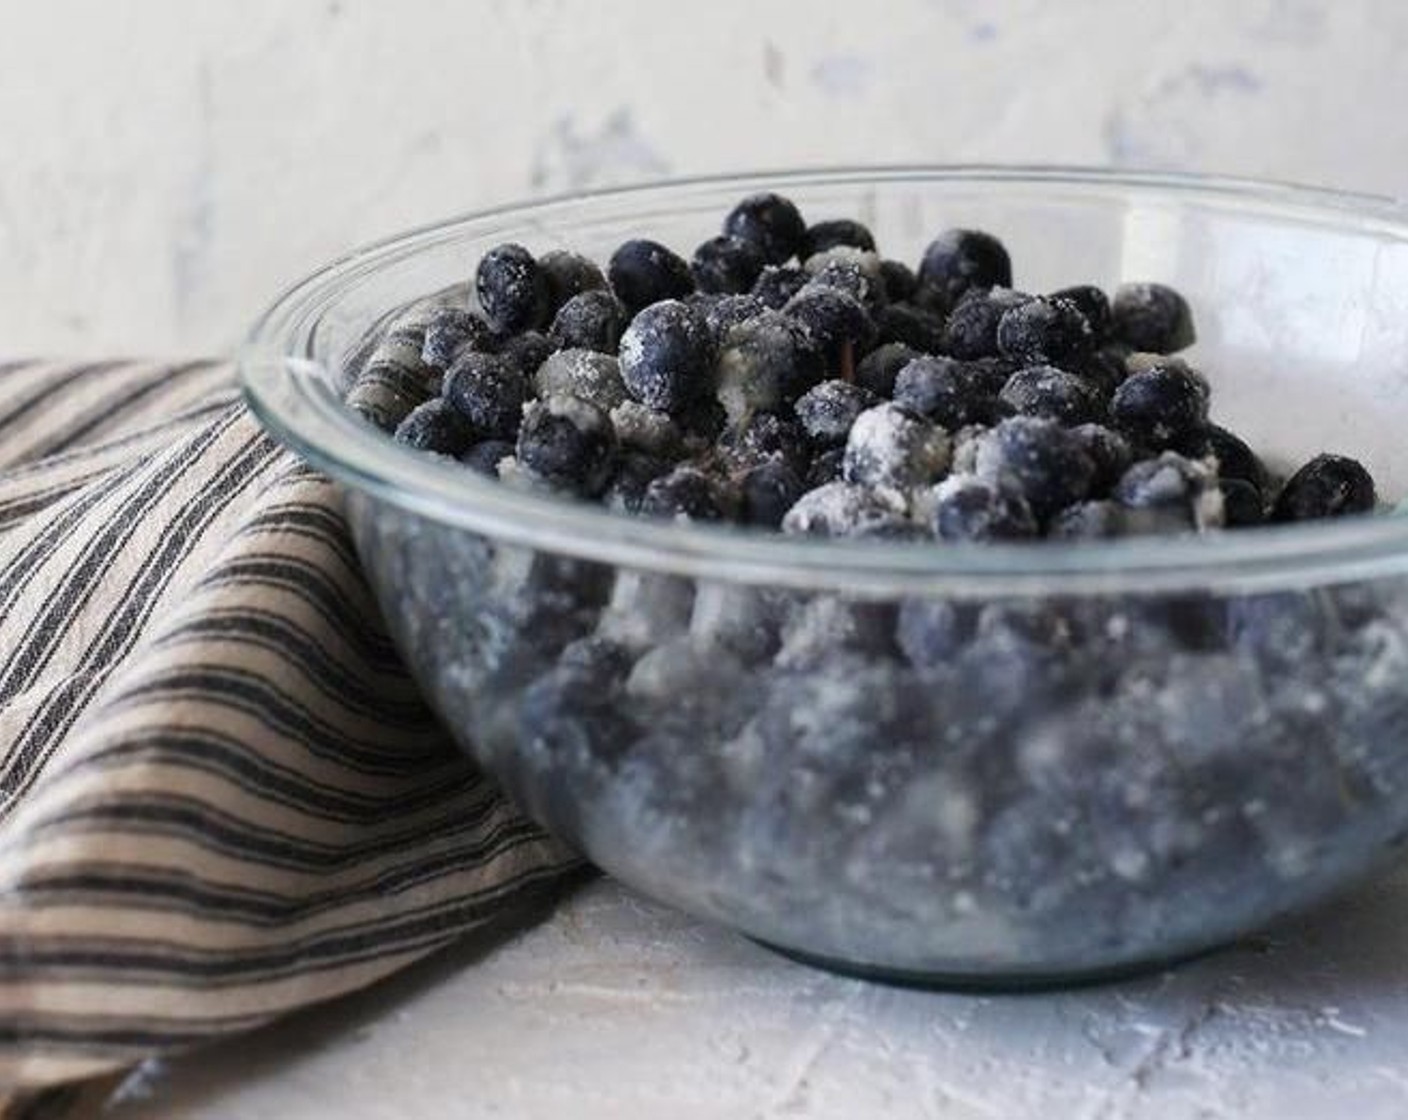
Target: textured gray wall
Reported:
[(166, 166)]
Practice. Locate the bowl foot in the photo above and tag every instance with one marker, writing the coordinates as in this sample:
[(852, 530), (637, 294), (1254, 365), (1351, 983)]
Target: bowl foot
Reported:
[(1001, 983)]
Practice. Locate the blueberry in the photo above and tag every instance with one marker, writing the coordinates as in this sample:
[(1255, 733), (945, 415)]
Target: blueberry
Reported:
[(644, 272), (1103, 370), (1286, 629), (1160, 406), (812, 635), (1241, 502), (485, 457), (1029, 621), (826, 467), (966, 442), (1092, 303), (989, 375), (903, 322), (1053, 393), (767, 436), (704, 302), (635, 471), (739, 619), (527, 351), (933, 299), (686, 493), (899, 279), (968, 508), (878, 369), (590, 320), (1046, 463), (840, 325), (837, 232), (572, 727), (1108, 450), (641, 428), (569, 274), (908, 532), (776, 284), (888, 446), (828, 410), (1017, 664), (765, 363), (1043, 330), (1151, 318), (1098, 520), (938, 389), (852, 271), (435, 426), (772, 223), (1234, 458), (960, 259), (587, 374), (1327, 486), (971, 329), (840, 509), (727, 265), (450, 331), (701, 421), (567, 443), (1181, 488), (768, 491), (931, 632), (488, 391), (608, 661), (727, 312), (512, 289), (667, 356)]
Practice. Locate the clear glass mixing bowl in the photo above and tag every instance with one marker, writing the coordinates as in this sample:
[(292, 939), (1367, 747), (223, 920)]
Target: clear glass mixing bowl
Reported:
[(988, 764)]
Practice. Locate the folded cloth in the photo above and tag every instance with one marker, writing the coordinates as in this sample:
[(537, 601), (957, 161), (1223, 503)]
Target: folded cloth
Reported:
[(221, 796)]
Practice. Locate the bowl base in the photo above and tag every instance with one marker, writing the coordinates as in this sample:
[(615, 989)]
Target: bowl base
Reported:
[(993, 983)]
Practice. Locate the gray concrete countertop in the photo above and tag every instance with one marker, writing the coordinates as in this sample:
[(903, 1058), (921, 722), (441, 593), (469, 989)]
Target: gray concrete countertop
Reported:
[(613, 1006)]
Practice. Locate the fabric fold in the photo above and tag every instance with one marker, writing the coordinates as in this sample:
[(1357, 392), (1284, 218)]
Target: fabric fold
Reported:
[(221, 796)]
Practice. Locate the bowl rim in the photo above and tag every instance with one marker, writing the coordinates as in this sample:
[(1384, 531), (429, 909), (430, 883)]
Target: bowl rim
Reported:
[(287, 389)]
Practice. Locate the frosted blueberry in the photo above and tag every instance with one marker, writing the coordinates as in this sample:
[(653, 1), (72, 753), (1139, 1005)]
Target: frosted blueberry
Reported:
[(512, 289), (588, 374), (828, 410), (667, 356), (839, 509), (888, 446)]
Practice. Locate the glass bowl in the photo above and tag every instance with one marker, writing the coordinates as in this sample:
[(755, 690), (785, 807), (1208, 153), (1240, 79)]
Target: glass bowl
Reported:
[(991, 765)]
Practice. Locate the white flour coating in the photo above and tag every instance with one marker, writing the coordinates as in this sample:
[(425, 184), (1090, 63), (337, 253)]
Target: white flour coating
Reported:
[(758, 360), (889, 447), (737, 617), (586, 374), (855, 271), (829, 623), (866, 260), (966, 442), (839, 509), (646, 609), (1170, 483), (828, 411), (645, 429)]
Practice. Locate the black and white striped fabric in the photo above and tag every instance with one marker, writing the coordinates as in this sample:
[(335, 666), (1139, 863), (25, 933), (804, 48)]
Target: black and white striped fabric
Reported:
[(221, 797)]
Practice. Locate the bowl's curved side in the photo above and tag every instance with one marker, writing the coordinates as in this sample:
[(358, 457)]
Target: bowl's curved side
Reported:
[(1068, 787)]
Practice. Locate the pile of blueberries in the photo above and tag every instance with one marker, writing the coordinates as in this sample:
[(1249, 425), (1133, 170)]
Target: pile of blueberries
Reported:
[(789, 376)]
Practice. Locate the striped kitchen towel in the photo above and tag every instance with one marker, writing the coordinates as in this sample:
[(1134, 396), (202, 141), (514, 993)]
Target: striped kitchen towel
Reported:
[(221, 796)]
